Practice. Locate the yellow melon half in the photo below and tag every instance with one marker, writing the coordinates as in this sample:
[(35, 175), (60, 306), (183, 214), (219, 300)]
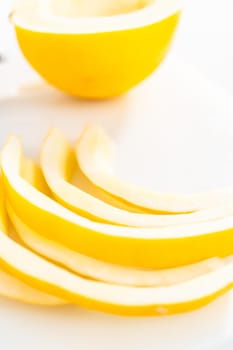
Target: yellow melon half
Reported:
[(139, 247), (94, 152), (60, 166), (97, 49)]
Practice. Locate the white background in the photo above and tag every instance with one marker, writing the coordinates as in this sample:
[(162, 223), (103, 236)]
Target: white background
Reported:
[(206, 38)]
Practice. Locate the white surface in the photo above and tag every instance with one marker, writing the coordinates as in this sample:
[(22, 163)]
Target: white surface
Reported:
[(205, 39), (174, 132)]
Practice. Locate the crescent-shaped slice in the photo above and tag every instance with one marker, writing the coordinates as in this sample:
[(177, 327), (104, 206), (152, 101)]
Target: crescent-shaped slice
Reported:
[(125, 300), (154, 248), (27, 269), (109, 273), (60, 166), (12, 287), (94, 152)]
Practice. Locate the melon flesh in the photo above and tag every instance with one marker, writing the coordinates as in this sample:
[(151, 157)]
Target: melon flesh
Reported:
[(95, 8)]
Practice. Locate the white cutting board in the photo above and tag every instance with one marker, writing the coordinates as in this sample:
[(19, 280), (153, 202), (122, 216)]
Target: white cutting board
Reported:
[(174, 133)]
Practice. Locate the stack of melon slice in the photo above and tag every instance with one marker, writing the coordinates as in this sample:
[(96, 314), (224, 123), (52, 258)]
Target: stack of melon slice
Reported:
[(86, 237)]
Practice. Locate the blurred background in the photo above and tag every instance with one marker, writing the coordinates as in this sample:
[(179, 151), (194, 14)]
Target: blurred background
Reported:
[(205, 38)]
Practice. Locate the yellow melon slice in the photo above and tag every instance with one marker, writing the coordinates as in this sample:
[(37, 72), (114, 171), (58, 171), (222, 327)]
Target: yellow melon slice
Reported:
[(10, 286), (98, 270), (35, 271), (59, 166), (94, 151), (68, 168), (41, 274), (49, 278), (139, 247)]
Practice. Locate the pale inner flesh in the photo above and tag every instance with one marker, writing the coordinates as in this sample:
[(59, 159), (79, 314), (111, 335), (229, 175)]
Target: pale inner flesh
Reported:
[(96, 8)]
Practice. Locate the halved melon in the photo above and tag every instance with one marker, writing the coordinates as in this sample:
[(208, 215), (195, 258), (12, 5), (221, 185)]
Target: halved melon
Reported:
[(59, 167), (145, 248), (94, 152), (10, 286), (93, 54)]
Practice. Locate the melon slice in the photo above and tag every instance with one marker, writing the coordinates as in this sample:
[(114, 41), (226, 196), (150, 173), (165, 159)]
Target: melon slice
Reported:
[(36, 272), (97, 48), (124, 300), (94, 152), (98, 270), (138, 247), (59, 166), (10, 286)]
